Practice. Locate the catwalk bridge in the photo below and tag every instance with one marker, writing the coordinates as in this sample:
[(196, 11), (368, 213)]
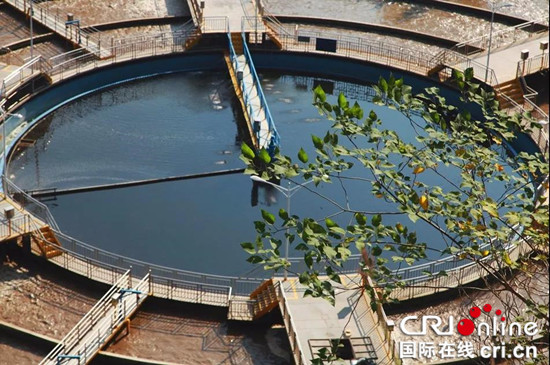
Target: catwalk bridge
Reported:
[(366, 331)]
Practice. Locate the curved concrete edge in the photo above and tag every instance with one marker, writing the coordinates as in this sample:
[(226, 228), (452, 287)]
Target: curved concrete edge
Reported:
[(166, 20), (476, 11), (369, 27), (26, 41), (45, 343)]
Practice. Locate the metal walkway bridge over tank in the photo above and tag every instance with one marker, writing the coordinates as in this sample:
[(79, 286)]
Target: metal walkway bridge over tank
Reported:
[(233, 18)]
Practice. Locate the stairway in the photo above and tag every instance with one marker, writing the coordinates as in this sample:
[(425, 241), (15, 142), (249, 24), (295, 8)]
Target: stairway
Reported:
[(511, 89), (274, 38), (47, 242), (193, 39), (237, 41), (262, 301), (265, 299)]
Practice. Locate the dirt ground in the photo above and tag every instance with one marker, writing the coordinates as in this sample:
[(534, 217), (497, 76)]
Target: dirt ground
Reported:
[(40, 297), (103, 11), (13, 352)]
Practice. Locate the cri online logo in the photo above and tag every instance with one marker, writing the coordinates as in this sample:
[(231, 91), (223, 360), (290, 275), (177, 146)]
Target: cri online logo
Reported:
[(466, 326), (497, 325)]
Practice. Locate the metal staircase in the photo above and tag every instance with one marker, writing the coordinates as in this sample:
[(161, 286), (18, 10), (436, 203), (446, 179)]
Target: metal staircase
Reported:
[(47, 243), (262, 301), (512, 90)]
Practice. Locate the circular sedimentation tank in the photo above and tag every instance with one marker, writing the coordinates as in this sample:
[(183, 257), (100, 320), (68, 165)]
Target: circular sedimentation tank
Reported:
[(131, 124)]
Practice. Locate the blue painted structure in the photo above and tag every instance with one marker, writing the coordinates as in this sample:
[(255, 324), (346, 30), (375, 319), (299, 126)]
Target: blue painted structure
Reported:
[(240, 63)]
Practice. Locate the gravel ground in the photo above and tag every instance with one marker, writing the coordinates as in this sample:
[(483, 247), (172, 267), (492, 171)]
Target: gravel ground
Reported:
[(407, 15), (103, 11), (190, 334), (14, 352), (47, 300)]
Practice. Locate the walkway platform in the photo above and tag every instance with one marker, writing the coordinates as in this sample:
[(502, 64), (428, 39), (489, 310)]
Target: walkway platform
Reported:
[(20, 223), (248, 89), (233, 10), (504, 61), (71, 29), (314, 323)]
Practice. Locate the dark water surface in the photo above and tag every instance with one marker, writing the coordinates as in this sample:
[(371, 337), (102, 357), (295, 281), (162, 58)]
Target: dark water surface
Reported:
[(173, 125)]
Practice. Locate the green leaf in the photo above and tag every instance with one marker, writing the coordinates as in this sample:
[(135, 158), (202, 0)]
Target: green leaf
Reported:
[(319, 94), (255, 259), (283, 214), (342, 101), (469, 73), (264, 156), (376, 251), (376, 220), (268, 217), (302, 155), (383, 84), (317, 142), (248, 247), (361, 219), (247, 151)]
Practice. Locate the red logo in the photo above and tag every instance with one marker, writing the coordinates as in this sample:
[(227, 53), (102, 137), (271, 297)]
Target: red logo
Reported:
[(466, 326)]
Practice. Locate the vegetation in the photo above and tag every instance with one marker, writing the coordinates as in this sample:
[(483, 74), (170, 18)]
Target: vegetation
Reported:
[(486, 201)]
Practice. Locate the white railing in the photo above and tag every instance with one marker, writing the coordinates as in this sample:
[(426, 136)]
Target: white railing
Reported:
[(15, 79), (215, 24), (75, 62), (501, 38), (532, 65), (103, 318), (275, 139), (297, 351), (30, 204), (14, 226), (381, 318), (88, 258), (364, 49), (73, 30)]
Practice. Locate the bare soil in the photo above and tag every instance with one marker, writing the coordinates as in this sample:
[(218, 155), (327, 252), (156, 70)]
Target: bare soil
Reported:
[(43, 298)]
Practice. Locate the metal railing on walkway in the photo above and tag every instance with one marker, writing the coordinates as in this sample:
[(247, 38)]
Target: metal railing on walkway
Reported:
[(86, 259), (19, 76), (295, 346), (215, 24), (359, 48), (99, 324), (499, 39), (275, 138), (71, 29), (533, 64), (29, 204), (75, 62)]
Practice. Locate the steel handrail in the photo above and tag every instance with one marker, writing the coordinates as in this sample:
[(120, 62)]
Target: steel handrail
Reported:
[(19, 75), (74, 335), (484, 38), (290, 326), (199, 274), (274, 134)]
